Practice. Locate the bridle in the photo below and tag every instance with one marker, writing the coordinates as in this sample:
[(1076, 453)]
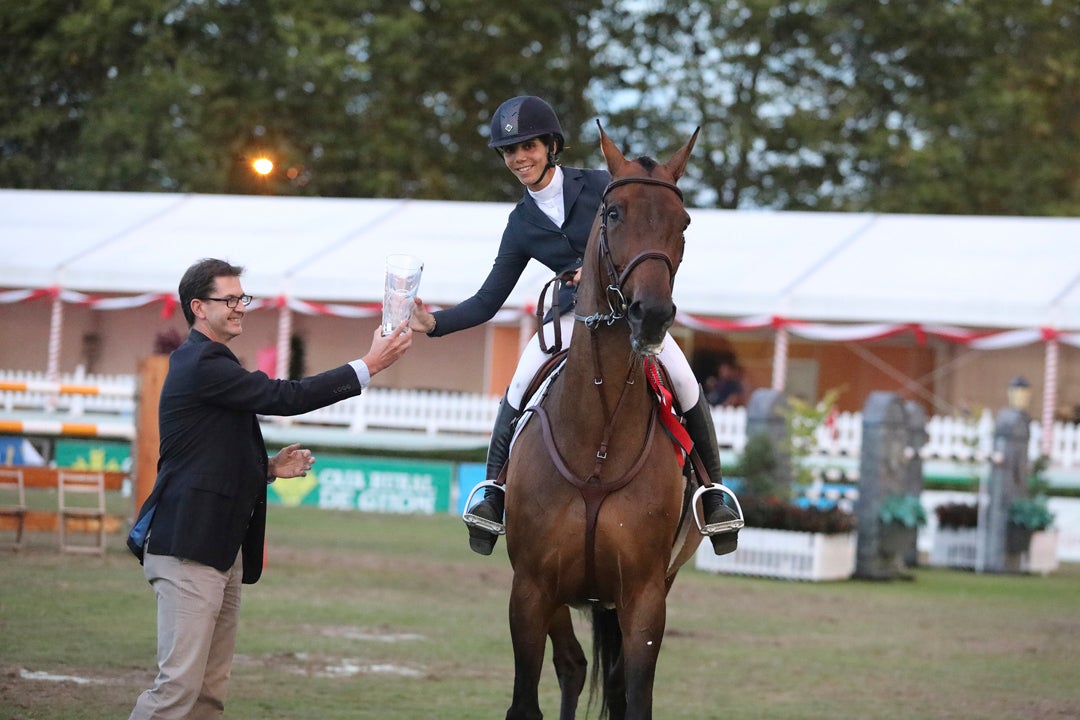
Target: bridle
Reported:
[(616, 280), (594, 490)]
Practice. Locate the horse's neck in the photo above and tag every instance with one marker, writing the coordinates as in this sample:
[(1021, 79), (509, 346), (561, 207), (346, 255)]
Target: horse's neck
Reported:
[(603, 354)]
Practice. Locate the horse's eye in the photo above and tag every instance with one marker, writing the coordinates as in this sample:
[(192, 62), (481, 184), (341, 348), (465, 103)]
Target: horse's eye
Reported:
[(613, 214)]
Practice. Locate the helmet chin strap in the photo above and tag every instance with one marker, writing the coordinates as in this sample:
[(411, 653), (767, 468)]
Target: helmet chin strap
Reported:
[(550, 163), (550, 168)]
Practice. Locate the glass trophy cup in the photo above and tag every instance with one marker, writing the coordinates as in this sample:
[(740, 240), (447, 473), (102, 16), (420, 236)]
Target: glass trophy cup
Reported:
[(402, 281)]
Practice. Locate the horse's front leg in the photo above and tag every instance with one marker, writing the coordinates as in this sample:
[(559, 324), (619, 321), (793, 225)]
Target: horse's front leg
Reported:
[(569, 660), (530, 615), (642, 620)]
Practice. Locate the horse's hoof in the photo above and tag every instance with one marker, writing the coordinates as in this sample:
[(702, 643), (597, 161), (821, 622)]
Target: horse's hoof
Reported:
[(725, 543), (481, 541)]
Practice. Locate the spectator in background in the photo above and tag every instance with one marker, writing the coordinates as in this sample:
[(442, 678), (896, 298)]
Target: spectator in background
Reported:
[(728, 390)]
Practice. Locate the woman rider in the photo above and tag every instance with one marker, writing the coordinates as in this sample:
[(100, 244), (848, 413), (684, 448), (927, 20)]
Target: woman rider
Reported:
[(551, 224)]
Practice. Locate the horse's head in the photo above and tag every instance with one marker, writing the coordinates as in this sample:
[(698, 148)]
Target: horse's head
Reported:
[(641, 225)]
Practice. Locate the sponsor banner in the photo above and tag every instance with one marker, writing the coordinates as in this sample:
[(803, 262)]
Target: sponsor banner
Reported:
[(18, 451), (368, 484), (93, 455), (469, 474)]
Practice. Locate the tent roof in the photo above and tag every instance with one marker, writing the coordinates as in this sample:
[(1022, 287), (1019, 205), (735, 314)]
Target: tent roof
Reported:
[(995, 272)]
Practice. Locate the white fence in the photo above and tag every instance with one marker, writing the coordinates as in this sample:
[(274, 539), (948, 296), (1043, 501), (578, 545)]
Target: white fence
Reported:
[(438, 412)]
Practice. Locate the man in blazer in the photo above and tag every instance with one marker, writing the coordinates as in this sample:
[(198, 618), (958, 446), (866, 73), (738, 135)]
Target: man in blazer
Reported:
[(208, 504)]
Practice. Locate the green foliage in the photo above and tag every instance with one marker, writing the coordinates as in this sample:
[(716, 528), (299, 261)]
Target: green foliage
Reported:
[(362, 99), (850, 105), (1032, 513), (960, 87), (803, 420), (958, 107), (757, 468), (902, 509)]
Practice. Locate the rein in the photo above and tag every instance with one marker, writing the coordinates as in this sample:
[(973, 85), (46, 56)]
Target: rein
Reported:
[(594, 490)]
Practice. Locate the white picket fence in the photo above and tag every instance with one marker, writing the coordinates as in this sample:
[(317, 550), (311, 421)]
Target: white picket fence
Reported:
[(439, 412)]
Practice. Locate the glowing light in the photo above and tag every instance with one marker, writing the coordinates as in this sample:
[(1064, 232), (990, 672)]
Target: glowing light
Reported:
[(263, 166)]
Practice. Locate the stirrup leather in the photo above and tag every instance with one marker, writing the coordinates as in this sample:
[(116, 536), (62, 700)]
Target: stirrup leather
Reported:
[(480, 522), (721, 527)]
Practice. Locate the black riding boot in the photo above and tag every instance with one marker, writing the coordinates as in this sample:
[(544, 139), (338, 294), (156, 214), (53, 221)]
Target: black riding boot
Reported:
[(722, 523), (491, 507)]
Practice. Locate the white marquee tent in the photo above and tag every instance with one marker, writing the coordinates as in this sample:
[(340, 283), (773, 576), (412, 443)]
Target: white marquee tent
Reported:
[(960, 277), (985, 272)]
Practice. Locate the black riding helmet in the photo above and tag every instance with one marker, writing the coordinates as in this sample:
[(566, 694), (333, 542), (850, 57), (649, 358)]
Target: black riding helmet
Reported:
[(523, 118)]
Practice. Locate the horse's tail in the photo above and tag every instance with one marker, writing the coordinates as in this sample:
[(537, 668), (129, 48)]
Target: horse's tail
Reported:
[(607, 660)]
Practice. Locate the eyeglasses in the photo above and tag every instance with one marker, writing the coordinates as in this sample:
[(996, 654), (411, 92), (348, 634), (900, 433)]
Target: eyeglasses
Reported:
[(231, 302)]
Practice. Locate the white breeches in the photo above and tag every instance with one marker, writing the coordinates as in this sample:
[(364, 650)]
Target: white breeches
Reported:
[(672, 358)]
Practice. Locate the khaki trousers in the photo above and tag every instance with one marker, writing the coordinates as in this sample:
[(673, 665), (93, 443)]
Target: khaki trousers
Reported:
[(198, 613)]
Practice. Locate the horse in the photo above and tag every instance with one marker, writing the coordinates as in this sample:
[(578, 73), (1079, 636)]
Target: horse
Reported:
[(597, 506)]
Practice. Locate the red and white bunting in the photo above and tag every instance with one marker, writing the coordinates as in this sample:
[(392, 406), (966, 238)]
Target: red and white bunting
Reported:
[(823, 332)]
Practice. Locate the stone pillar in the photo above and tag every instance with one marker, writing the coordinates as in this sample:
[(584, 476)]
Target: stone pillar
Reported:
[(914, 482), (765, 415), (882, 472), (1008, 481)]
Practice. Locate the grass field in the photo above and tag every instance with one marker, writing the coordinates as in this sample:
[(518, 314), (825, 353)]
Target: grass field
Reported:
[(392, 618)]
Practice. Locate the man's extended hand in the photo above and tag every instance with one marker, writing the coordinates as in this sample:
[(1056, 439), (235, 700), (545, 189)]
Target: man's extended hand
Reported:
[(292, 461), (385, 350)]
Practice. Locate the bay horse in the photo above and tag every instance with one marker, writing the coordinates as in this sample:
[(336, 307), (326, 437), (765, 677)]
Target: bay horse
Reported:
[(596, 502)]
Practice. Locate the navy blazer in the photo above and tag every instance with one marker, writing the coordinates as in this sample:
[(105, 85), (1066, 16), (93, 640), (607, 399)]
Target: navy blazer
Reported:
[(531, 235), (210, 492)]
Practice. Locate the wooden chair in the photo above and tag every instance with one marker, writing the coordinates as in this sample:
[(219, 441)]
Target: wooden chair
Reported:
[(13, 502), (82, 499)]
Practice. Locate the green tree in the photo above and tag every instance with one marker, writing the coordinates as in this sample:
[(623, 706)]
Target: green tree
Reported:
[(966, 106), (369, 98), (969, 106), (758, 77)]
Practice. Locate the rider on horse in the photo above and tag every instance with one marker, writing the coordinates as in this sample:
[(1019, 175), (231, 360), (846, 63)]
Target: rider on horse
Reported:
[(551, 224)]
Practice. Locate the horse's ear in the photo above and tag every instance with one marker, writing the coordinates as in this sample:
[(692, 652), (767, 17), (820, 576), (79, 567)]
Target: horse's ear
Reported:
[(612, 154), (677, 164)]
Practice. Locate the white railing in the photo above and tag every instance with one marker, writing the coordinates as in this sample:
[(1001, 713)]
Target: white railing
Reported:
[(115, 393), (428, 411), (439, 412)]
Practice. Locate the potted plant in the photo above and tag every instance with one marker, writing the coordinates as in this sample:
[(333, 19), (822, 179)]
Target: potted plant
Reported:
[(956, 538), (781, 539), (901, 516), (1027, 515)]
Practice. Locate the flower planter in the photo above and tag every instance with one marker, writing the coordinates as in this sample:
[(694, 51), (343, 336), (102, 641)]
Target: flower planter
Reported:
[(1042, 554), (1017, 539), (896, 539), (784, 554), (956, 548)]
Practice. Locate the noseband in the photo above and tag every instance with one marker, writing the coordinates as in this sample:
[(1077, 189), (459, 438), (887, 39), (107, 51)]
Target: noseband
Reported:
[(616, 280)]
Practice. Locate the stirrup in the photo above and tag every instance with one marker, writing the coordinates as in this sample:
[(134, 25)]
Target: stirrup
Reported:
[(720, 527), (481, 522)]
